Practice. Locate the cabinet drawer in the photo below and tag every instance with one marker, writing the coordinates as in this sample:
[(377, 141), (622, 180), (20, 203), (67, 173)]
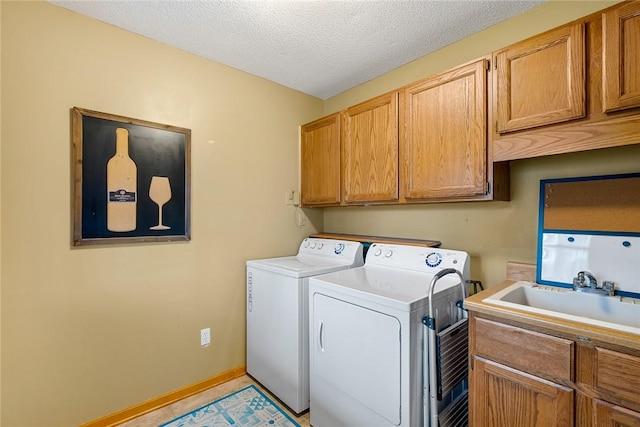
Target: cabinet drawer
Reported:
[(606, 414), (618, 374), (539, 354)]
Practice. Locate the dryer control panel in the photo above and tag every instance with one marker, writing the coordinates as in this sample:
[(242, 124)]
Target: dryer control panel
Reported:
[(422, 259)]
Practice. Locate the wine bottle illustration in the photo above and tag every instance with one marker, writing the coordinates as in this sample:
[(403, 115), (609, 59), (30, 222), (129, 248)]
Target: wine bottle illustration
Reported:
[(122, 183)]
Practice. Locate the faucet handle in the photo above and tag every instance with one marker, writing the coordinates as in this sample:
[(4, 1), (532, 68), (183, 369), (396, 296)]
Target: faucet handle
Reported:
[(608, 286), (578, 281)]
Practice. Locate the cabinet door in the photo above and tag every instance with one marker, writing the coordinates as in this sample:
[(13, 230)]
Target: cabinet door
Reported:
[(608, 415), (444, 142), (541, 80), (502, 396), (320, 162), (370, 151), (621, 57)]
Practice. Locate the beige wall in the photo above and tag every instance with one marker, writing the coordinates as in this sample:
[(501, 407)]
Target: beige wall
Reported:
[(89, 331), (492, 232)]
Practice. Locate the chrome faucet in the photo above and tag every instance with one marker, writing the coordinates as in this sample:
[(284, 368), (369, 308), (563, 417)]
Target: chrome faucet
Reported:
[(580, 285), (579, 281)]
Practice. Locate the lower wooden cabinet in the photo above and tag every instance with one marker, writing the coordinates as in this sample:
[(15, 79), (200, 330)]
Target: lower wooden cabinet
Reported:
[(533, 376), (609, 415), (503, 396), (609, 381)]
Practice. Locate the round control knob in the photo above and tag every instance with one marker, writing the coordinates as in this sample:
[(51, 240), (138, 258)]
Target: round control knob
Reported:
[(338, 248), (433, 259), (377, 252), (313, 245), (320, 245), (388, 253), (306, 244)]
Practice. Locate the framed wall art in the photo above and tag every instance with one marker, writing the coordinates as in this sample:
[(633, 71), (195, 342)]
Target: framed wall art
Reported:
[(131, 180)]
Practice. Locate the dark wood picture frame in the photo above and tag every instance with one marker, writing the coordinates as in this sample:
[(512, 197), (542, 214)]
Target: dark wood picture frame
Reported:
[(113, 191)]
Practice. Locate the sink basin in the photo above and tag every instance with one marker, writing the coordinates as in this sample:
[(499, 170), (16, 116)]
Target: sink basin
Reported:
[(612, 312)]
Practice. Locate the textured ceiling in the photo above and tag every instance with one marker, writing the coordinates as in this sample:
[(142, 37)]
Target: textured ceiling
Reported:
[(319, 47)]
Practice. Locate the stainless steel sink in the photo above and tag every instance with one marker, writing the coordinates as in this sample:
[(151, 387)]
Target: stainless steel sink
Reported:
[(611, 312)]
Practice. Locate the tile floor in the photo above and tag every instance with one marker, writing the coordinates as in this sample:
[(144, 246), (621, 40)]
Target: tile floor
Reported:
[(184, 406)]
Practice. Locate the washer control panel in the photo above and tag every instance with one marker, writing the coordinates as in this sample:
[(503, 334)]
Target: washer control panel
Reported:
[(331, 248)]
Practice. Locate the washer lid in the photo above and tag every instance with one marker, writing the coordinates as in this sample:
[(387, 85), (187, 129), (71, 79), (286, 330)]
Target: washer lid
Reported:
[(299, 265), (398, 288)]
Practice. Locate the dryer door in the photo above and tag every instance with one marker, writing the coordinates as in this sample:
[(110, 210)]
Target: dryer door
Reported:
[(357, 350)]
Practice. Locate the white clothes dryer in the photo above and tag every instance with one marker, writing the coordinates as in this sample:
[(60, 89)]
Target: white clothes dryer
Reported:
[(278, 314), (366, 335)]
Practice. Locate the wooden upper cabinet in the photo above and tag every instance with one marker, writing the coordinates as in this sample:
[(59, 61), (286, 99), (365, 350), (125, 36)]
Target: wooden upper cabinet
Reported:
[(444, 135), (320, 162), (541, 80), (549, 85), (370, 151), (621, 57)]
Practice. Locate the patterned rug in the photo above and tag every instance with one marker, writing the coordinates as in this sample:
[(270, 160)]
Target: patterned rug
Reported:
[(245, 407)]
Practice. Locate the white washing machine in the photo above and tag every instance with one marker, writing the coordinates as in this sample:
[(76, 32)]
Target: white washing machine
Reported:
[(278, 314), (366, 345)]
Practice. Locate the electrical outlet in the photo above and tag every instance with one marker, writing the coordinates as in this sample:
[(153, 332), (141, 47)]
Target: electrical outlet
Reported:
[(205, 336)]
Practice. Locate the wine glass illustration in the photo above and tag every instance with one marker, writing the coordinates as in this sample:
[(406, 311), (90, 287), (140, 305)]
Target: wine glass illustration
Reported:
[(160, 193)]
